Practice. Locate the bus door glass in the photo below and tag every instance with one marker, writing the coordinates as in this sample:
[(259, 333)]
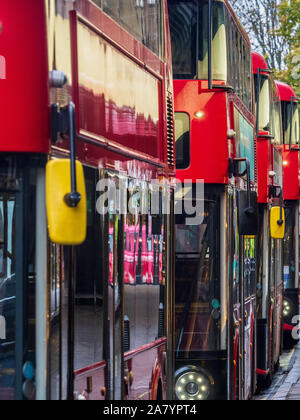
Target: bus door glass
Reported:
[(288, 249), (143, 294), (115, 251), (7, 296), (17, 276), (249, 291), (197, 289)]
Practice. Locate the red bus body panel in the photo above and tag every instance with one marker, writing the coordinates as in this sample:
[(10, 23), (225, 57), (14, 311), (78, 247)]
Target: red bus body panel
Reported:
[(291, 188), (210, 154), (264, 148), (258, 62), (24, 101), (264, 165), (290, 157), (286, 92)]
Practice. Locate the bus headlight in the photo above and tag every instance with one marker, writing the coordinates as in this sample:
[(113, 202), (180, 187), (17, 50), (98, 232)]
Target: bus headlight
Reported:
[(286, 307), (192, 384)]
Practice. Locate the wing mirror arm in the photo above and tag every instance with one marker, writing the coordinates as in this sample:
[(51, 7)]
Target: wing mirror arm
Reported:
[(280, 221), (73, 198), (273, 193), (237, 173)]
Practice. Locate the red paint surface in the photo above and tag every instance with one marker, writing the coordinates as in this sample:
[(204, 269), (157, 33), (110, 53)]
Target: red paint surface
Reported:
[(262, 372), (258, 62), (24, 91), (119, 126), (288, 327), (286, 92), (290, 157), (209, 143), (291, 187), (265, 149), (264, 165)]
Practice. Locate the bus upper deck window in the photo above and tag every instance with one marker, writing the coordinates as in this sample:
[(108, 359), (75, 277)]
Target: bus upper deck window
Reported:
[(295, 124), (276, 122), (219, 43), (142, 19), (182, 137), (290, 114), (264, 104), (183, 26)]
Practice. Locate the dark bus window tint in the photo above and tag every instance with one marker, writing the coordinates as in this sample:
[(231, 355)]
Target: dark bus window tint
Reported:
[(290, 114), (97, 2), (182, 137), (183, 26)]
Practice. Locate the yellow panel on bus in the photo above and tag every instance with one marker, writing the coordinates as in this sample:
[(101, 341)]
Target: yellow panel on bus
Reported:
[(277, 223), (66, 225)]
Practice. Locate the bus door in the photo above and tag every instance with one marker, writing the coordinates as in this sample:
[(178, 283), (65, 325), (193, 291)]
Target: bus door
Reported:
[(113, 235), (76, 353), (290, 271), (200, 362), (18, 194), (278, 299), (248, 308)]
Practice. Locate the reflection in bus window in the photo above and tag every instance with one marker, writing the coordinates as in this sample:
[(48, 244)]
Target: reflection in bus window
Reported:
[(183, 23), (290, 113), (143, 288), (264, 122), (7, 296), (231, 59), (140, 18), (219, 46)]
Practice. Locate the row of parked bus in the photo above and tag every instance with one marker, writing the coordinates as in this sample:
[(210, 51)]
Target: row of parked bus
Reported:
[(236, 275), (115, 114)]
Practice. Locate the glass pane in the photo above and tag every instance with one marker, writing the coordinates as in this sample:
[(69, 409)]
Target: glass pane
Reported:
[(264, 122), (97, 2), (196, 287), (141, 18), (249, 266), (289, 114), (295, 125), (183, 26), (276, 122), (7, 297), (129, 14), (89, 286), (143, 296), (289, 249), (182, 137), (219, 44)]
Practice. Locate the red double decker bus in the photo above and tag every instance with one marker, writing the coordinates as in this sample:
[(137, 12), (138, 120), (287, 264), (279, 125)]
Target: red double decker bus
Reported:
[(291, 194), (270, 194), (86, 321), (215, 271)]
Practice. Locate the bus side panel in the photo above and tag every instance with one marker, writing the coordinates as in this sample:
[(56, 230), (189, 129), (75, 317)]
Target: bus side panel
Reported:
[(24, 77)]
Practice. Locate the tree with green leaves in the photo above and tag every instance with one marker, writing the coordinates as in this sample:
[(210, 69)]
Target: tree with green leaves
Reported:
[(289, 17), (261, 20)]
